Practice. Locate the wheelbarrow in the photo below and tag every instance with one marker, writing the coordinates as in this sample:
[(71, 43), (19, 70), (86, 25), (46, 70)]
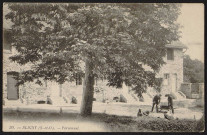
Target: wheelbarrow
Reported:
[(164, 105), (164, 108)]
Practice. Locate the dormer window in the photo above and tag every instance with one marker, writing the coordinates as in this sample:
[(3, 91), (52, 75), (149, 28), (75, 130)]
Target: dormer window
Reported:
[(170, 54)]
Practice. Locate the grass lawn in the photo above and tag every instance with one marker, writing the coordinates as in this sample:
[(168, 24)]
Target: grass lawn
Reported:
[(197, 109), (145, 124), (111, 123)]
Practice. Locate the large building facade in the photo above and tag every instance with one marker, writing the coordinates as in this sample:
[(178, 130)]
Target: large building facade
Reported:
[(30, 93), (172, 72)]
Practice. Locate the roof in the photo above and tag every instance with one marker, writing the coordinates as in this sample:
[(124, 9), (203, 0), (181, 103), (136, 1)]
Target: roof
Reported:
[(176, 44)]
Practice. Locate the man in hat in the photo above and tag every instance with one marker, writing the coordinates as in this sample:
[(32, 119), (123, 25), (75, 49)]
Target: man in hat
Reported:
[(170, 102), (156, 101)]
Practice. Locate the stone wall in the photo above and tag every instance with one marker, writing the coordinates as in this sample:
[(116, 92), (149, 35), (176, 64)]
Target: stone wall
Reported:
[(29, 93), (201, 90), (8, 66), (172, 67), (70, 89), (186, 89), (201, 101), (34, 91)]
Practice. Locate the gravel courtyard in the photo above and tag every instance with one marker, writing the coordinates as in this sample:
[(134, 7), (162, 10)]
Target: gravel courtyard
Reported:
[(113, 117)]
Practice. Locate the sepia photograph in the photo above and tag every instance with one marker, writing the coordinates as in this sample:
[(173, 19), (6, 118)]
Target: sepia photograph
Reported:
[(103, 67)]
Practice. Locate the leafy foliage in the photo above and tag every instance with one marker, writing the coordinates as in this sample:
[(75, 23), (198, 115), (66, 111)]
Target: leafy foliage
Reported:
[(119, 38), (193, 70)]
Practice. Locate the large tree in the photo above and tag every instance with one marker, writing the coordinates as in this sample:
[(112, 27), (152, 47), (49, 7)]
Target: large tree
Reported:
[(113, 40)]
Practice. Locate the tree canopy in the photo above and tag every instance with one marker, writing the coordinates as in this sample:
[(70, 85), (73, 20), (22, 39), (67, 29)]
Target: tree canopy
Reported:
[(193, 70), (118, 38)]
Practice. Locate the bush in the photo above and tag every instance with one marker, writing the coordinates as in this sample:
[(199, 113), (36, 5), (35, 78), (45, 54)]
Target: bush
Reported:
[(41, 102), (49, 101), (141, 99), (123, 99), (116, 99), (74, 100), (146, 124), (171, 125), (200, 125)]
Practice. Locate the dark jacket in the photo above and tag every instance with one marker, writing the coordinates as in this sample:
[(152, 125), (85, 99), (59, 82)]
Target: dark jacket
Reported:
[(156, 99), (170, 100)]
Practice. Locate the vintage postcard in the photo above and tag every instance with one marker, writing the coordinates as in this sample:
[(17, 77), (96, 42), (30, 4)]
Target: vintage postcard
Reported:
[(103, 67)]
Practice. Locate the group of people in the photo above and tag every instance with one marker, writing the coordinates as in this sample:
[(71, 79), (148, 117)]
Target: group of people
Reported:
[(156, 102)]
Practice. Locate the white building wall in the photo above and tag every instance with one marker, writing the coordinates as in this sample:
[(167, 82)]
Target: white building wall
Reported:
[(172, 67), (69, 89)]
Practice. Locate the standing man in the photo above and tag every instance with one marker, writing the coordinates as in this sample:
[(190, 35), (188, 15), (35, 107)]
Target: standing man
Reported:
[(170, 102), (156, 101)]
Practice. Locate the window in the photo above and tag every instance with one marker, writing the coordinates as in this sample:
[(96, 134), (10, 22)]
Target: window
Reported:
[(170, 54), (166, 79)]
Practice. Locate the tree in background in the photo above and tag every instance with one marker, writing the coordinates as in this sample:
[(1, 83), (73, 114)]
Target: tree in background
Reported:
[(193, 70), (113, 40)]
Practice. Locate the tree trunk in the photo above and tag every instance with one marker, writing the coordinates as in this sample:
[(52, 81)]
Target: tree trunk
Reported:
[(88, 89)]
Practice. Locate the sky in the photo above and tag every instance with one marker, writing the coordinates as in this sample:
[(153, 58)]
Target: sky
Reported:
[(192, 20)]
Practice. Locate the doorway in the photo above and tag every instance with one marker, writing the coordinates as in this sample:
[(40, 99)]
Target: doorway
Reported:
[(12, 89), (174, 83)]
